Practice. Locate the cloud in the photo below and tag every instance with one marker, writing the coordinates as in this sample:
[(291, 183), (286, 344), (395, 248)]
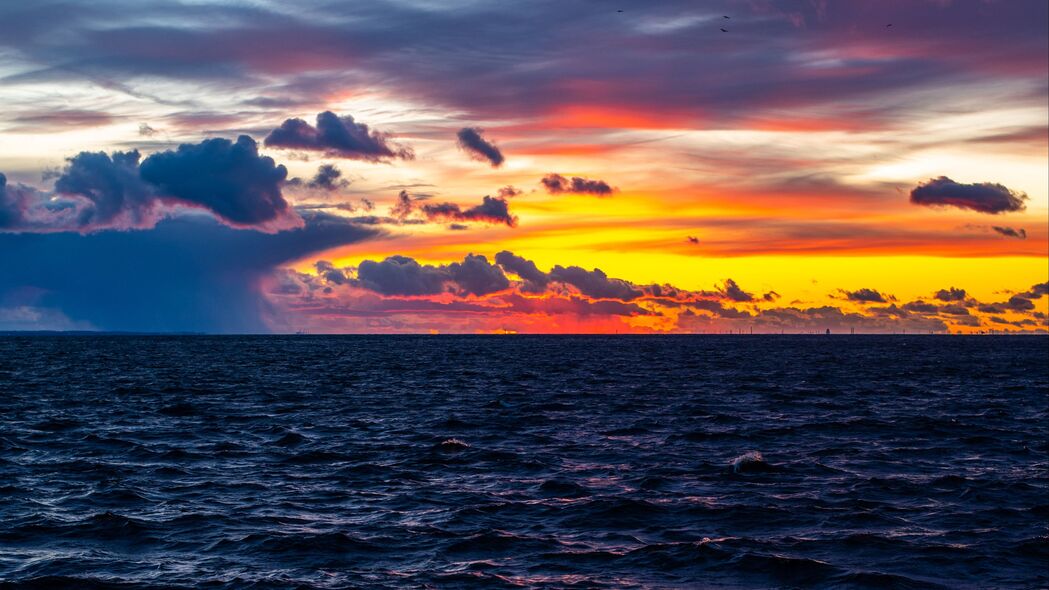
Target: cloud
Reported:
[(17, 204), (494, 210), (471, 142), (1022, 302), (330, 273), (595, 283), (228, 47), (58, 120), (991, 308), (400, 275), (835, 319), (718, 309), (476, 276), (327, 178), (1020, 234), (733, 292), (535, 280), (404, 276), (1036, 291), (113, 189), (404, 206), (984, 197), (557, 184), (509, 191), (513, 293), (951, 294), (97, 191), (1019, 303), (230, 179), (865, 296), (338, 137), (188, 274), (921, 307)]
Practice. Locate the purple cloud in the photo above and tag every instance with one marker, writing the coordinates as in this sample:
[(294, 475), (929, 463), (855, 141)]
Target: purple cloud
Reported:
[(983, 197), (479, 148), (338, 137), (557, 184)]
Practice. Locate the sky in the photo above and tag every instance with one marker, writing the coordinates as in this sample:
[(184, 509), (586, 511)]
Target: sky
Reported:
[(592, 166)]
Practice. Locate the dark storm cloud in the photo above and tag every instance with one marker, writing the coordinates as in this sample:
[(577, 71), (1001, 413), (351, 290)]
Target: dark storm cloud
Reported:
[(494, 210), (112, 186), (228, 178), (535, 280), (951, 294), (557, 184), (983, 197), (10, 210), (337, 136), (865, 296), (187, 274), (595, 283), (17, 203), (1020, 234), (471, 142)]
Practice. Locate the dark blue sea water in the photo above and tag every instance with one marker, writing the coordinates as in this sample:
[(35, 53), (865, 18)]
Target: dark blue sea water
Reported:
[(519, 462)]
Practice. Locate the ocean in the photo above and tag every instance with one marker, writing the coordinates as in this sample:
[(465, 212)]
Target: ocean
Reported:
[(270, 462)]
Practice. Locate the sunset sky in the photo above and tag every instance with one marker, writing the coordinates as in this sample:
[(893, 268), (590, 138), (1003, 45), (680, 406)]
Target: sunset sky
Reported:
[(592, 166)]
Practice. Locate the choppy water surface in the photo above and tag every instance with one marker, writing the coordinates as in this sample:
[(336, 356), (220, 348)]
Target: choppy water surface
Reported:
[(328, 462)]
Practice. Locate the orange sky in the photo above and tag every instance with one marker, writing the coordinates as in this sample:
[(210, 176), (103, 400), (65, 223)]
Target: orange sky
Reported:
[(796, 154)]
